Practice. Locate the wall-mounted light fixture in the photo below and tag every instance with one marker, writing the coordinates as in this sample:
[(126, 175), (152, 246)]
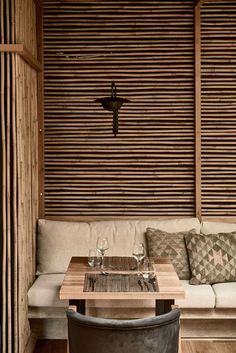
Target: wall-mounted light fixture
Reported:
[(113, 104)]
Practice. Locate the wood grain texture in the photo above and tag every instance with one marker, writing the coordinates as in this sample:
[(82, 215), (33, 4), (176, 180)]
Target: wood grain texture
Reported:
[(23, 52), (148, 50), (218, 109), (7, 180), (73, 284), (223, 329), (198, 104), (209, 347), (27, 211), (149, 168), (31, 344), (27, 162), (19, 209), (40, 104), (60, 346)]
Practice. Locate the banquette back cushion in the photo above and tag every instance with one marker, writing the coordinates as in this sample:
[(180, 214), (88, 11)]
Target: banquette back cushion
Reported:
[(217, 227), (58, 241)]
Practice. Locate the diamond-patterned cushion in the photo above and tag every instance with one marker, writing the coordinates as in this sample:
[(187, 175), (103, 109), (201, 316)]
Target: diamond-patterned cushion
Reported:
[(212, 257), (160, 243)]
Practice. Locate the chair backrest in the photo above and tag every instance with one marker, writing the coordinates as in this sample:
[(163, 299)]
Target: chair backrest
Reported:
[(159, 334)]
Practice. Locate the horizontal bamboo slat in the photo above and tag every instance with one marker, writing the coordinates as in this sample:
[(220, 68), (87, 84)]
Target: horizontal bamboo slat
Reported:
[(218, 108), (148, 50)]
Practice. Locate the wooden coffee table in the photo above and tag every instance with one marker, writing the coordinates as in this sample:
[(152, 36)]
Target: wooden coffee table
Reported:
[(168, 284)]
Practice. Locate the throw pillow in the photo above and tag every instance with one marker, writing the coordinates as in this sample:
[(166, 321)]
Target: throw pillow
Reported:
[(212, 257), (160, 243)]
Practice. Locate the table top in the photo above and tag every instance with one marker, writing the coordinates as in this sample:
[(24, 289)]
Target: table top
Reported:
[(169, 285)]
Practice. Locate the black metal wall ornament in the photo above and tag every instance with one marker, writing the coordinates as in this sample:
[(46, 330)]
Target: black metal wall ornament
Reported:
[(113, 103)]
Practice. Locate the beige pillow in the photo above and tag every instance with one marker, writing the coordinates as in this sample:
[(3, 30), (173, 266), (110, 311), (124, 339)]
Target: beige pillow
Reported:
[(212, 257), (160, 243)]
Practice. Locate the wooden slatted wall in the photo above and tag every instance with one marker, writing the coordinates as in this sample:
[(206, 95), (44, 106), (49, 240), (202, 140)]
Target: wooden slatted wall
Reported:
[(19, 172), (219, 108), (147, 48), (27, 160)]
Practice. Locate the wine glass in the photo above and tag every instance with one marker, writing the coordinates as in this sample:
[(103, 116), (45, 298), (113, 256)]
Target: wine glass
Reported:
[(94, 258), (102, 246), (138, 254)]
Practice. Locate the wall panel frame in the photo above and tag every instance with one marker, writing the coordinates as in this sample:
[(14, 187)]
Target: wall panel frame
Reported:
[(160, 163), (148, 50)]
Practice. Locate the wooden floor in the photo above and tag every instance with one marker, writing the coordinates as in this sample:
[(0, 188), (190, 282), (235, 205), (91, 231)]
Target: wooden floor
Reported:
[(59, 346)]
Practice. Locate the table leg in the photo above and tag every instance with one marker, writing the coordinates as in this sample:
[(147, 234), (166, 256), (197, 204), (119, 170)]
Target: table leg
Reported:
[(163, 306), (80, 304)]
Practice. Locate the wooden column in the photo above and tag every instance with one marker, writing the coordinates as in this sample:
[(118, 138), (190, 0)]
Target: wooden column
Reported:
[(198, 195), (40, 102)]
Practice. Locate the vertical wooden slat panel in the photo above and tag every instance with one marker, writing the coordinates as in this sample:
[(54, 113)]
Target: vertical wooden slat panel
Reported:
[(3, 188), (27, 161), (218, 108), (27, 188), (25, 21), (40, 104), (14, 185), (8, 200), (19, 171), (198, 169), (148, 50)]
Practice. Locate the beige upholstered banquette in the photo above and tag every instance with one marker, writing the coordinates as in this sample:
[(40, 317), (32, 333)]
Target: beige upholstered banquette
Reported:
[(208, 306)]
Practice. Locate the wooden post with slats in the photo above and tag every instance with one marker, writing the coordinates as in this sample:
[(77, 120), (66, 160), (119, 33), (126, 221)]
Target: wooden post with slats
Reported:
[(40, 103), (198, 109)]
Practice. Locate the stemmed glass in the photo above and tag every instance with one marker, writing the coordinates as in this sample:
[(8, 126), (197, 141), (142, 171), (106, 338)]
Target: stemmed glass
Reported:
[(94, 258), (102, 246), (138, 254)]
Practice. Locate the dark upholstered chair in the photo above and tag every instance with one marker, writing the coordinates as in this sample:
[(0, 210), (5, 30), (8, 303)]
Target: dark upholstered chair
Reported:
[(159, 334)]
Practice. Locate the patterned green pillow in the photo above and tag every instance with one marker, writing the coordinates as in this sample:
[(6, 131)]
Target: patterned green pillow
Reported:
[(212, 257), (160, 243)]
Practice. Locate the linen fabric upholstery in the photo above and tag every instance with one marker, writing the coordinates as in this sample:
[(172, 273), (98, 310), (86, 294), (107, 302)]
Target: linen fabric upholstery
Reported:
[(225, 294), (159, 334), (58, 241), (212, 257), (45, 291), (162, 243), (196, 297), (217, 227)]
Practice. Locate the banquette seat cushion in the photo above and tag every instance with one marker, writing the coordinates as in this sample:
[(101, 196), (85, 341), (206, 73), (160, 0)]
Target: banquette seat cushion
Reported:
[(45, 290), (225, 295), (59, 241)]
